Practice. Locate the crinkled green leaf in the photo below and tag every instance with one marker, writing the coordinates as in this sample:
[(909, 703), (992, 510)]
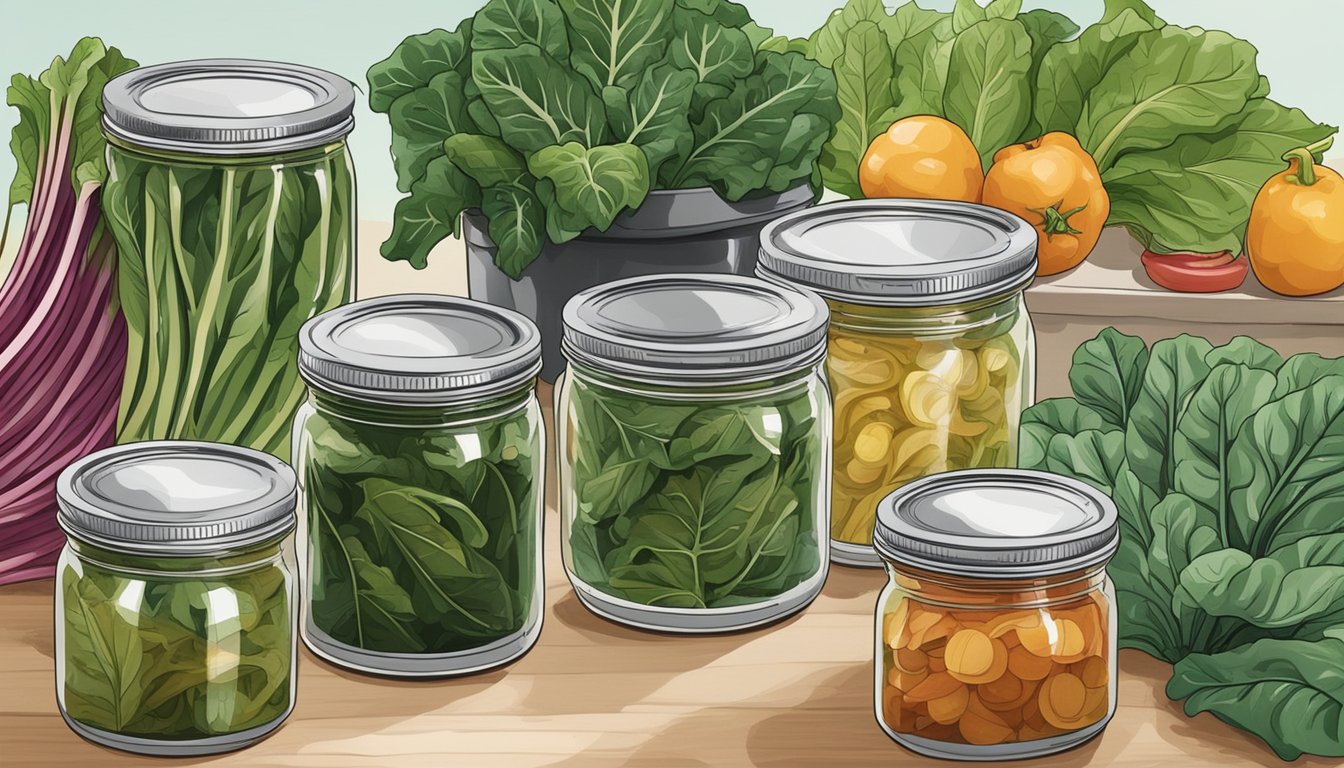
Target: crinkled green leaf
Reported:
[(430, 213), (718, 55), (537, 100), (990, 98), (1301, 583), (1302, 370), (508, 24), (864, 71), (1107, 374), (591, 186), (517, 226), (1060, 415), (1175, 369), (487, 160), (653, 114), (1092, 455), (424, 118), (833, 36), (922, 62), (613, 41), (1243, 350), (415, 62)]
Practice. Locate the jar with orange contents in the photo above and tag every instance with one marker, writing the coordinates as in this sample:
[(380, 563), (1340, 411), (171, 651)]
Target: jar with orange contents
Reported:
[(996, 635)]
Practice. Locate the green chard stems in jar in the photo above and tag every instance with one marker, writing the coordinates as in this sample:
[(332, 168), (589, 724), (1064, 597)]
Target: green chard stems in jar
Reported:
[(694, 504), (175, 656), (424, 539)]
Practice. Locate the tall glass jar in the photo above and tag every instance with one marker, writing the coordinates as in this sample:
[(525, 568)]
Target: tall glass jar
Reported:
[(230, 193), (996, 634), (694, 450), (420, 456), (931, 353), (175, 610)]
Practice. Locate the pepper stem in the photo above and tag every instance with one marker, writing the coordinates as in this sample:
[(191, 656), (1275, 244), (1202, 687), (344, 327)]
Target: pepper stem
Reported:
[(1053, 222), (1301, 166)]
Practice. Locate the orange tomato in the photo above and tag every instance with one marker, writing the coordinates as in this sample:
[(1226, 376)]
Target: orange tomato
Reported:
[(1053, 183), (1295, 237), (922, 156)]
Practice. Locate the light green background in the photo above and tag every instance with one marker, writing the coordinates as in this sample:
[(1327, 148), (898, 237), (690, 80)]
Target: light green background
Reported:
[(1298, 41)]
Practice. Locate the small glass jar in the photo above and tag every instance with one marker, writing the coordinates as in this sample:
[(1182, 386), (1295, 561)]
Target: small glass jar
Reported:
[(931, 353), (230, 193), (694, 450), (996, 635), (175, 610), (420, 457)]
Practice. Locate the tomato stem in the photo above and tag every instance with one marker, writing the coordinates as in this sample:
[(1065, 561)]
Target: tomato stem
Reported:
[(1301, 166), (1055, 223)]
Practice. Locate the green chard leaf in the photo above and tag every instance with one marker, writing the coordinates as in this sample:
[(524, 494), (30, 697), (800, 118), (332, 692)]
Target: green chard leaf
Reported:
[(864, 72), (909, 20), (613, 41), (517, 226), (508, 24), (537, 100), (591, 187), (1288, 692), (653, 114), (487, 160), (422, 219), (415, 62), (1175, 369), (832, 37), (991, 97), (1107, 375), (922, 62), (1046, 30)]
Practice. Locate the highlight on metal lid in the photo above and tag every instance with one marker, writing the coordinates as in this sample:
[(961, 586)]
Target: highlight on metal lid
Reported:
[(228, 107), (997, 523), (900, 252), (419, 349), (176, 497), (695, 327)]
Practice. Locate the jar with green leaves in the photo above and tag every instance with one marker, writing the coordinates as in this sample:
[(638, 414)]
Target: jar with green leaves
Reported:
[(694, 447), (230, 192), (931, 357), (175, 609), (420, 457)]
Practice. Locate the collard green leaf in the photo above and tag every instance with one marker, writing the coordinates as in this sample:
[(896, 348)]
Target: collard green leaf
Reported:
[(990, 98), (537, 100), (1092, 455), (653, 114), (1288, 692), (507, 24), (1172, 82), (1060, 415), (1243, 350), (1301, 371), (425, 117), (796, 161), (725, 12), (517, 226), (613, 41), (487, 160), (1175, 368), (864, 71), (1301, 583), (416, 61), (591, 186), (1284, 469), (833, 36), (1070, 71), (1107, 374), (718, 55), (909, 20), (1196, 194), (922, 62), (740, 135), (1046, 30), (422, 219)]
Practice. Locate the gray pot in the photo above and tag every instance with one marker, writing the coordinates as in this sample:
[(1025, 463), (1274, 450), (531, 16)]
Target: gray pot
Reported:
[(678, 230)]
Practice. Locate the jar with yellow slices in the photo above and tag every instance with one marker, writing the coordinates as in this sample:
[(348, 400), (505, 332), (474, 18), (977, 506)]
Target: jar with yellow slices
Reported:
[(996, 634), (930, 354)]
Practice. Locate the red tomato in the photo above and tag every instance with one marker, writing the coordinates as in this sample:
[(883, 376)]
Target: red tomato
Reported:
[(1196, 272)]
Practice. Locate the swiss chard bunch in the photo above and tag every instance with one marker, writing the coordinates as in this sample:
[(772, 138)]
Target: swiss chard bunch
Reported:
[(553, 116), (1227, 466)]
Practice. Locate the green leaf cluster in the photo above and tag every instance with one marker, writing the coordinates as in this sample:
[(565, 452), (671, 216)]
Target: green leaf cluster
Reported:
[(1178, 119), (421, 540), (694, 504), (1225, 464), (219, 266), (176, 656), (554, 117)]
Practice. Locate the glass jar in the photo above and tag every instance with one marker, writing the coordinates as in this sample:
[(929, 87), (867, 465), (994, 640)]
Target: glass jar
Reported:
[(420, 455), (931, 352), (230, 193), (694, 451), (996, 634), (175, 610)]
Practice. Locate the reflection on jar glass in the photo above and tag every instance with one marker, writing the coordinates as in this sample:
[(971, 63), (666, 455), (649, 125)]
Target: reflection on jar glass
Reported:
[(931, 351), (996, 636)]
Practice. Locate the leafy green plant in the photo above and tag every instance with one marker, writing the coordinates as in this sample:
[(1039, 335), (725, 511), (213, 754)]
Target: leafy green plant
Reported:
[(553, 117), (174, 656), (422, 540), (1225, 465), (220, 265), (694, 505)]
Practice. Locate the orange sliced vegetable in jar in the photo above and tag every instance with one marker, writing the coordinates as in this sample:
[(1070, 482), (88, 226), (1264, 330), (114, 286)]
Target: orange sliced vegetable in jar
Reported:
[(906, 681), (1295, 237), (1054, 184), (981, 726), (925, 157), (1009, 624), (1027, 665), (974, 658), (936, 685), (1063, 700), (946, 710), (1094, 672), (1006, 693), (910, 661)]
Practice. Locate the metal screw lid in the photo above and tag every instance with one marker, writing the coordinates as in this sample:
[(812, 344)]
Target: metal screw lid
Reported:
[(419, 349), (695, 328), (900, 252), (228, 107), (996, 524), (176, 498)]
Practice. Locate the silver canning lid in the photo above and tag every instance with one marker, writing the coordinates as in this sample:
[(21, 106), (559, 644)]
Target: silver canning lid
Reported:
[(228, 107), (176, 498), (419, 349), (900, 252), (996, 524), (691, 328)]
